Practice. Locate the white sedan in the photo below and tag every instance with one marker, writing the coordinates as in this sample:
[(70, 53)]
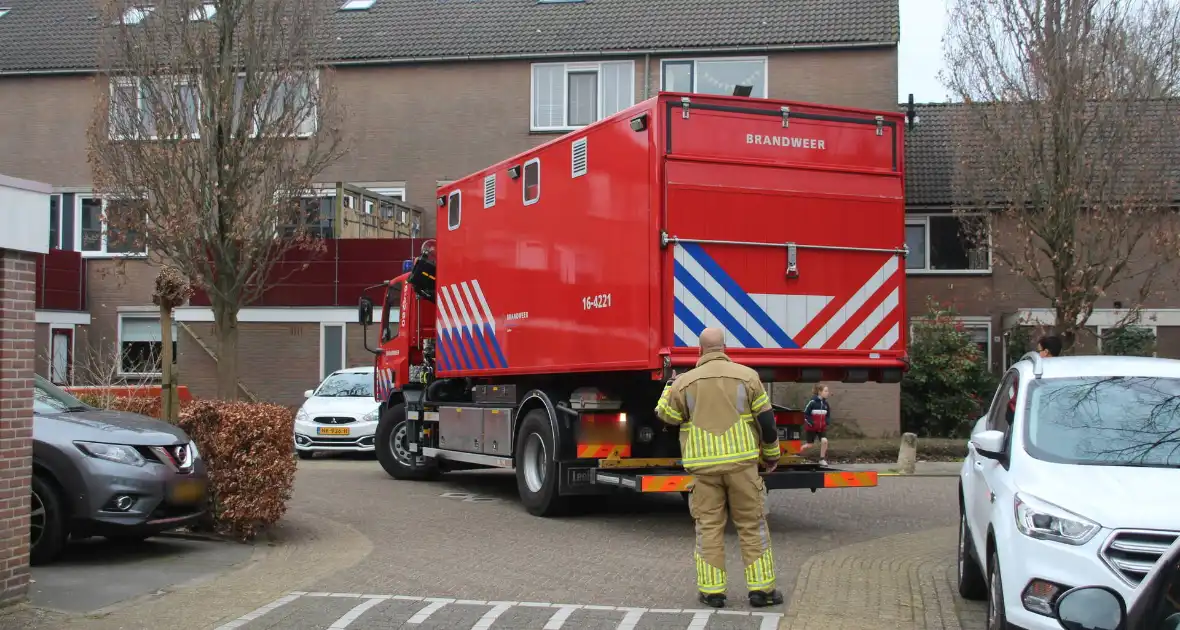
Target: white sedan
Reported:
[(339, 415)]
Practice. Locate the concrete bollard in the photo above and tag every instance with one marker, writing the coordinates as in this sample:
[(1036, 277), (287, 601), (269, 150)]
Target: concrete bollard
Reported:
[(907, 455)]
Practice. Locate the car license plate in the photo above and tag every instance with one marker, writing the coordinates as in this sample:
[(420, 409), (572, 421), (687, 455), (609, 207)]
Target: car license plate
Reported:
[(188, 491), (332, 430)]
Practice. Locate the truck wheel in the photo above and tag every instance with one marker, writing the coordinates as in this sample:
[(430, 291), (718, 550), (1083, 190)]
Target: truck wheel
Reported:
[(536, 470), (393, 450), (47, 523)]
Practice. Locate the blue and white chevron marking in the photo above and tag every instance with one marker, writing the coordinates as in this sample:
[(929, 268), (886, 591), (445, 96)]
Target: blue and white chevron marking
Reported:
[(705, 296), (467, 329)]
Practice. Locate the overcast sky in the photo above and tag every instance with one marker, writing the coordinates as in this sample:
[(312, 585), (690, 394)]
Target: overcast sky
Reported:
[(920, 57)]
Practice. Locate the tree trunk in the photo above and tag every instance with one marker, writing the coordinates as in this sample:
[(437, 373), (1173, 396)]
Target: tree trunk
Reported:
[(225, 321), (167, 382)]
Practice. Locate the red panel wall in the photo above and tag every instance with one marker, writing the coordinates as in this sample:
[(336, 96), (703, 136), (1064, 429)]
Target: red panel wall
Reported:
[(61, 281), (334, 276)]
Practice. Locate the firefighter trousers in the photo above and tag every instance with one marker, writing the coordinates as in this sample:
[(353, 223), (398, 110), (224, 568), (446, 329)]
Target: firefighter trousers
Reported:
[(737, 491)]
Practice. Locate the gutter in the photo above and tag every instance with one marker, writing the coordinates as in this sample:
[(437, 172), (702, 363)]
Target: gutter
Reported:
[(632, 52)]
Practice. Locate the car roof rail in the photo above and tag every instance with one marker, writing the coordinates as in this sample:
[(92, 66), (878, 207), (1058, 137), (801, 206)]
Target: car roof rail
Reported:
[(1038, 366)]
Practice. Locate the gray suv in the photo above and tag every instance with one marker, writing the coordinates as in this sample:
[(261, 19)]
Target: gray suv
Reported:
[(120, 475)]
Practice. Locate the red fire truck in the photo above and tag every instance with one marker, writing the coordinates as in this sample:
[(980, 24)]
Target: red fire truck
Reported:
[(568, 283)]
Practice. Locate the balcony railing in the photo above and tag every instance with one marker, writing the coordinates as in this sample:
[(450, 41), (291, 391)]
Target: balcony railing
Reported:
[(334, 276), (61, 281)]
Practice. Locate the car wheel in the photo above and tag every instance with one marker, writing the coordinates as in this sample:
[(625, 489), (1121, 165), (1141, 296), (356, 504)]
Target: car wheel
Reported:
[(996, 617), (972, 585), (47, 523), (536, 470), (393, 449)]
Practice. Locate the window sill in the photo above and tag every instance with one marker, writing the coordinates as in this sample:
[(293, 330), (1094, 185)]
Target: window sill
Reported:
[(948, 272), (552, 132), (102, 255), (147, 376)]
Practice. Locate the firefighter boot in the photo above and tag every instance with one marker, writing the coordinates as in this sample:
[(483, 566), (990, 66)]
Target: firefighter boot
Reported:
[(762, 599), (714, 600)]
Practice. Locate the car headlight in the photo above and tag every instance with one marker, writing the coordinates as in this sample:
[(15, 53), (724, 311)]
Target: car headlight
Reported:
[(301, 415), (370, 417), (1043, 520), (112, 453)]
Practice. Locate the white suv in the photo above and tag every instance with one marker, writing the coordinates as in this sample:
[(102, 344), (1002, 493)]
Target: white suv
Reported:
[(1072, 478)]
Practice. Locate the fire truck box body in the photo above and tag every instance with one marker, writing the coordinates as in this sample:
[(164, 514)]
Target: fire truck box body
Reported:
[(569, 283), (610, 248)]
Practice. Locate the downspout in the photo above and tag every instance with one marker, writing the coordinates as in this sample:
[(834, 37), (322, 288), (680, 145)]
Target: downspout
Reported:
[(646, 74)]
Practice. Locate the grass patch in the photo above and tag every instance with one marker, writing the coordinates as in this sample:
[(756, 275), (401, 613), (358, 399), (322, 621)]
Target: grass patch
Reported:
[(884, 450)]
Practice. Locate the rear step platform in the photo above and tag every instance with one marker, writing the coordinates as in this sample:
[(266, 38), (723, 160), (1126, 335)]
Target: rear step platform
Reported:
[(791, 478)]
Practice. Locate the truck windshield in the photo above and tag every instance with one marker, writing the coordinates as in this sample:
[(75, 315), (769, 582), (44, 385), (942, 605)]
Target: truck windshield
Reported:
[(347, 385), (1105, 421)]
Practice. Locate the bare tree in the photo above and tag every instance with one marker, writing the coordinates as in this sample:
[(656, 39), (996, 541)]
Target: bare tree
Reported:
[(1067, 144), (216, 117)]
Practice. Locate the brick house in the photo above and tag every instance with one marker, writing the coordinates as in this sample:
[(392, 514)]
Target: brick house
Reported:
[(993, 301), (434, 90), (23, 222)]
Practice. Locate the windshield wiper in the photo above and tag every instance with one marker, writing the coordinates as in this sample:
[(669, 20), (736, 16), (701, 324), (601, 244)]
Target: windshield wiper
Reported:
[(77, 408)]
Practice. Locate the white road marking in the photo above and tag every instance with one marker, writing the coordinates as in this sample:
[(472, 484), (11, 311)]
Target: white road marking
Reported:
[(251, 616), (356, 612), (430, 609), (630, 620), (488, 618), (769, 620), (700, 619), (559, 617)]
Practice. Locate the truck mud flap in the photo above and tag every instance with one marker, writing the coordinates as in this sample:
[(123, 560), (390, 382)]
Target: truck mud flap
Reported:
[(813, 478)]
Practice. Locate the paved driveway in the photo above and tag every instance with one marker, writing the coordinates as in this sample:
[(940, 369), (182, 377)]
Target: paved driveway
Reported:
[(360, 550), (463, 553)]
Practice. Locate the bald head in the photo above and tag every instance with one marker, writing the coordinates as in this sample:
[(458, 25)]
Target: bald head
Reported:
[(712, 340)]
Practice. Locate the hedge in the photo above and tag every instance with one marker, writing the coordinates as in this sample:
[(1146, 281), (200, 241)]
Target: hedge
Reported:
[(248, 450)]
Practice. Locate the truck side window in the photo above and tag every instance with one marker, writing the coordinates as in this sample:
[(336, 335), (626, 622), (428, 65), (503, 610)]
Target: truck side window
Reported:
[(454, 209), (389, 325), (532, 181)]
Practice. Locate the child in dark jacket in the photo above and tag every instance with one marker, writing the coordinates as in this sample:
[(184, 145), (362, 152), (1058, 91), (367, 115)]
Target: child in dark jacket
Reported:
[(817, 415)]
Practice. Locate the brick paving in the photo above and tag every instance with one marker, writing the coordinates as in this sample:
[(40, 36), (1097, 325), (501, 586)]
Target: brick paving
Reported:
[(363, 539), (903, 582)]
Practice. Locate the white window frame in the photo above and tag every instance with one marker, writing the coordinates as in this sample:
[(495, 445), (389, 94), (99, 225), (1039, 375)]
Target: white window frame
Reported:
[(574, 67), (524, 189), (56, 243), (923, 220), (103, 253), (315, 113), (119, 341), (968, 322), (459, 194), (120, 82), (1152, 327), (73, 352), (323, 346), (398, 192), (696, 74)]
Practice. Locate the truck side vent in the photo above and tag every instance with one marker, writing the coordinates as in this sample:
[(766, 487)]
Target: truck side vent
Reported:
[(579, 157), (489, 191)]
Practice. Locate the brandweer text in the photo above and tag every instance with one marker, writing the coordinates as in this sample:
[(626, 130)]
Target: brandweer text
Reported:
[(786, 141)]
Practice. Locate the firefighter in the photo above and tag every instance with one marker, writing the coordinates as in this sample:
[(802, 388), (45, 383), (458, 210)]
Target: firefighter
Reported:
[(726, 428)]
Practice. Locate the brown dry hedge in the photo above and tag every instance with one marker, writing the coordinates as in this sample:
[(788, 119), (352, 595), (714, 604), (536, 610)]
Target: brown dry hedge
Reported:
[(249, 453)]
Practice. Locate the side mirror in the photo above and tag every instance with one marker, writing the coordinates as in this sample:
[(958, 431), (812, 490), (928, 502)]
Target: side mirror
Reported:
[(989, 444), (365, 311), (1090, 608), (308, 393)]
